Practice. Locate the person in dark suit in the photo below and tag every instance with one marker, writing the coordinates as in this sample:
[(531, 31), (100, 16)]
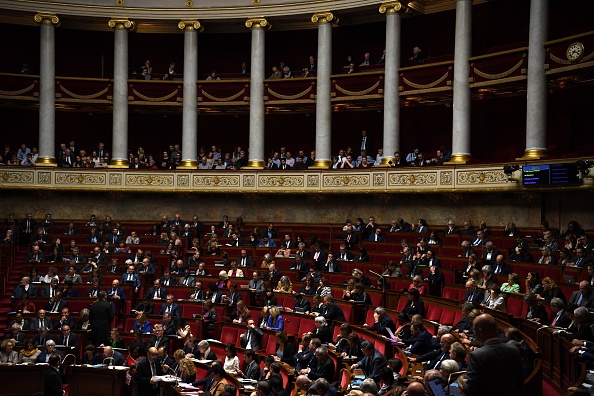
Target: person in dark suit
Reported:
[(16, 335), (415, 304), (558, 317), (64, 319), (490, 253), (451, 229), (319, 256), (322, 331), (68, 339), (373, 363), (252, 338), (302, 303), (24, 287), (583, 297), (146, 370), (56, 303), (170, 307), (331, 265), (252, 369), (100, 318), (321, 366), (432, 360), (157, 291), (351, 238), (332, 312), (376, 236), (495, 363), (536, 311), (132, 277), (158, 339), (113, 358), (421, 342), (40, 321), (382, 322), (53, 380), (50, 349), (205, 352), (244, 260), (500, 266), (473, 295), (116, 292), (580, 330), (27, 228), (300, 265)]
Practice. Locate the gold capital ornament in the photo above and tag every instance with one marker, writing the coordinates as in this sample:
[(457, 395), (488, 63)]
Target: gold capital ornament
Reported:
[(47, 19), (257, 23), (324, 17), (392, 7), (190, 24), (121, 24)]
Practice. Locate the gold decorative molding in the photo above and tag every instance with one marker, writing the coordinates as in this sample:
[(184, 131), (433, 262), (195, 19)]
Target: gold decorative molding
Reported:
[(281, 181), (120, 3), (321, 164), (533, 154), (257, 23), (17, 177), (413, 179), (393, 7), (74, 177), (255, 164), (149, 180), (119, 164), (342, 180), (190, 24), (122, 23), (324, 17), (481, 177), (189, 3), (188, 164), (47, 19), (459, 159), (216, 181), (46, 161)]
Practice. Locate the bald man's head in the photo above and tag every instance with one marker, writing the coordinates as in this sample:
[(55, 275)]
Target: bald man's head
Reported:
[(485, 327), (415, 389)]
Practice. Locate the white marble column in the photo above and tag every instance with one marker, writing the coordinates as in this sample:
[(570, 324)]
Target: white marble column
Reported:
[(119, 154), (536, 109), (391, 80), (47, 89), (190, 114), (461, 107), (256, 146), (323, 89)]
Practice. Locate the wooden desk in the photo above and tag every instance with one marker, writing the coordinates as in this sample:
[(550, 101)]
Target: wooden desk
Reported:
[(22, 380), (89, 381)]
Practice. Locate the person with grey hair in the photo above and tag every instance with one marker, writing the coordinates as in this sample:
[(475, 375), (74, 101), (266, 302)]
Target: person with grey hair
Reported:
[(489, 277), (369, 386), (448, 367), (382, 322), (321, 366), (458, 353), (205, 352), (50, 348), (490, 253), (323, 387), (304, 384), (559, 319), (467, 250)]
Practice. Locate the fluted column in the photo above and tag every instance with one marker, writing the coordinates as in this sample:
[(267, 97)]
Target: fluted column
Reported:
[(536, 109), (323, 89), (258, 27), (120, 93), (461, 107), (190, 115), (47, 89), (391, 79)]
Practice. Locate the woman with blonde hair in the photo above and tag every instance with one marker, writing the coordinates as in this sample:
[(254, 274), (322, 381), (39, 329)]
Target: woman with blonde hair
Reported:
[(275, 320), (243, 313), (267, 261), (235, 272), (550, 290), (284, 285), (512, 285), (141, 324), (350, 288), (417, 283), (164, 239), (187, 370), (7, 352)]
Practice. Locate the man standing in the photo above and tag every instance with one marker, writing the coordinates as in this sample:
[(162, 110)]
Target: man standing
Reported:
[(146, 372), (495, 363), (53, 381), (252, 338), (100, 318)]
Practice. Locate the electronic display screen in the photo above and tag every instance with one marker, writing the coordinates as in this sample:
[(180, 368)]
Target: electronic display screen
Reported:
[(550, 174)]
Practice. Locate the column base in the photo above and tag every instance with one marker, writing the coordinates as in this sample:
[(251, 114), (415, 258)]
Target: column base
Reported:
[(188, 164), (321, 164), (255, 164), (458, 159), (385, 162), (118, 164), (46, 161), (533, 154)]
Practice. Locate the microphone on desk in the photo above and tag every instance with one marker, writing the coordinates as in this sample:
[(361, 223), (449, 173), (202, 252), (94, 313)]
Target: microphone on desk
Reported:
[(108, 358), (381, 277), (65, 357)]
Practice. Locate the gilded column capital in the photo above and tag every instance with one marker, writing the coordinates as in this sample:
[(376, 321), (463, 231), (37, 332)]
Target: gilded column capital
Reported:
[(121, 24), (190, 24), (47, 19), (324, 17), (257, 23), (392, 7)]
